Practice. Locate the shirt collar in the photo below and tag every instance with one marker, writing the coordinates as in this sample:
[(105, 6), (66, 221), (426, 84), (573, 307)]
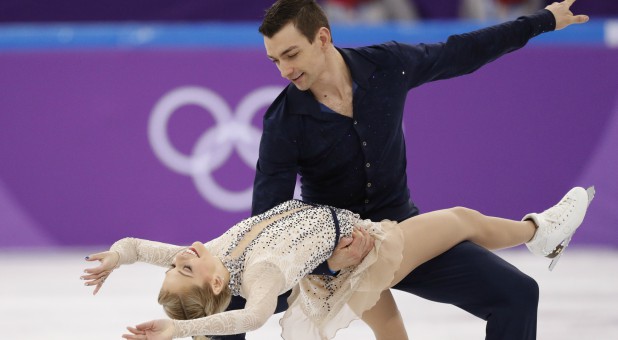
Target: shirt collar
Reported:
[(303, 101), (361, 68)]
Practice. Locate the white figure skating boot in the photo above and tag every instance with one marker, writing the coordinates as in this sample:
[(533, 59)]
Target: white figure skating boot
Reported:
[(556, 225)]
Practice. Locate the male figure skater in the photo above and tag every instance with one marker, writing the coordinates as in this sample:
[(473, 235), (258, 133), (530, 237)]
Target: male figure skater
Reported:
[(339, 125)]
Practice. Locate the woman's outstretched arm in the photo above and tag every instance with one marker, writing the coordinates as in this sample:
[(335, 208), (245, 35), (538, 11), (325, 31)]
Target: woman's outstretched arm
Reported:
[(262, 284), (127, 251)]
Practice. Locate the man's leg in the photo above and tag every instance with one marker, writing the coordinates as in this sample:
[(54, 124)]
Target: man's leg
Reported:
[(478, 281), (239, 303)]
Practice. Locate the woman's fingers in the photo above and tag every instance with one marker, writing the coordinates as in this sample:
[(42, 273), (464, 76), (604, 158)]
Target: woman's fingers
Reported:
[(145, 326), (136, 334), (95, 257), (96, 275), (96, 279), (135, 330), (97, 288)]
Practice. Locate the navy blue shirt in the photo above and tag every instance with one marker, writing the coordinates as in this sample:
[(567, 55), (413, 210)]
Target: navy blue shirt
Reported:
[(359, 163)]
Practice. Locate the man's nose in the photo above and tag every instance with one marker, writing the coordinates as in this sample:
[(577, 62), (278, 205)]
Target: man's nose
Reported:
[(286, 70)]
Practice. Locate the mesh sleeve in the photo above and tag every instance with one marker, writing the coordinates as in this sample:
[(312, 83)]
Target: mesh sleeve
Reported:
[(133, 250), (261, 286)]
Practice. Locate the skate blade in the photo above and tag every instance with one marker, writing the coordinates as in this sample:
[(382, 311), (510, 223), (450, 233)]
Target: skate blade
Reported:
[(557, 253), (590, 190)]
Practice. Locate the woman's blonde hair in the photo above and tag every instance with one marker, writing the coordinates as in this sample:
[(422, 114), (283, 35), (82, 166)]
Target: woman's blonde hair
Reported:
[(195, 302)]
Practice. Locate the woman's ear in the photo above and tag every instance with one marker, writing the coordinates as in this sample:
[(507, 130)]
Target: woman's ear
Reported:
[(217, 284)]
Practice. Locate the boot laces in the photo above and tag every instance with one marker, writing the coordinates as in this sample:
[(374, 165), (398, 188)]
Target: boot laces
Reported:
[(556, 214)]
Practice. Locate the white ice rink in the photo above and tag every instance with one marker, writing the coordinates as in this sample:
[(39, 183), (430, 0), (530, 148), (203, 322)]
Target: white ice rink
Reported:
[(41, 297)]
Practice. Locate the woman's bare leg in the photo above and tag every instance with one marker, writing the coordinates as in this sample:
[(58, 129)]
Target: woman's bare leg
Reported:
[(429, 235), (385, 320)]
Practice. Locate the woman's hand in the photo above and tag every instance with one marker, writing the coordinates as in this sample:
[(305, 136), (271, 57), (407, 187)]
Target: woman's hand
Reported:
[(97, 275), (151, 330)]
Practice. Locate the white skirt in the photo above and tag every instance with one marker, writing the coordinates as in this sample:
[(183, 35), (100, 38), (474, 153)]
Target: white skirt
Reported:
[(319, 306)]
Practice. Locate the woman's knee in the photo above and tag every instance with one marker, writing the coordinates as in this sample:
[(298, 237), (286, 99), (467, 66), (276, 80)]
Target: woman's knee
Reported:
[(469, 219), (466, 214)]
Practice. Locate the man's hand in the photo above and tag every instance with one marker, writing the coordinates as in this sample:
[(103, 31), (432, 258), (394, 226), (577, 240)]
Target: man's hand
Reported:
[(351, 250), (564, 16)]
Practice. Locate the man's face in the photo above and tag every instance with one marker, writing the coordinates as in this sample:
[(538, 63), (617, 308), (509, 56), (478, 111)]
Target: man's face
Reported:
[(296, 58)]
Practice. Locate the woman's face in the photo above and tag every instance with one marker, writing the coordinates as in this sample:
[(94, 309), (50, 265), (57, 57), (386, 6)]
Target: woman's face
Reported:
[(192, 266)]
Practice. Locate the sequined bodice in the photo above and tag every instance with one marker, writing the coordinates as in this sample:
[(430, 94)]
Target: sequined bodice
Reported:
[(289, 235)]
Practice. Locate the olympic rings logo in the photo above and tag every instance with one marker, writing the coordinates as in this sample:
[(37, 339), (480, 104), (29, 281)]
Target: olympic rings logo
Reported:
[(231, 132)]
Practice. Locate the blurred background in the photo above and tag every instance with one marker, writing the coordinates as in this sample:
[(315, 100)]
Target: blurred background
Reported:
[(143, 118)]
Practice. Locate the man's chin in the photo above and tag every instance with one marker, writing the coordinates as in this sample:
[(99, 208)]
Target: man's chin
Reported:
[(300, 87)]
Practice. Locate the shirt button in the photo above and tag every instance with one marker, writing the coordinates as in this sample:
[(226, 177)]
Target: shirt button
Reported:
[(368, 164), (369, 185), (364, 143), (366, 201), (355, 122)]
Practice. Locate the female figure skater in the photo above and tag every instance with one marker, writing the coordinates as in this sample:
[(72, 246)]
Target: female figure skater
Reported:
[(269, 254)]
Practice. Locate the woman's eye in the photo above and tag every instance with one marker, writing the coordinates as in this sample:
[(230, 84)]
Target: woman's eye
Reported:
[(172, 266), (187, 268), (292, 55)]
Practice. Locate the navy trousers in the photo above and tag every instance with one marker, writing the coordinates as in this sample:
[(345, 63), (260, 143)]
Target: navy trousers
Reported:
[(473, 279)]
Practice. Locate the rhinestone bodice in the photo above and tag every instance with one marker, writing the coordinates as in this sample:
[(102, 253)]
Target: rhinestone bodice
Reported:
[(295, 236)]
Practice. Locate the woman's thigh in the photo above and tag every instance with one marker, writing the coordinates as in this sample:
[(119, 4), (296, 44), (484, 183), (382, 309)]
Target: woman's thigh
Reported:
[(429, 235)]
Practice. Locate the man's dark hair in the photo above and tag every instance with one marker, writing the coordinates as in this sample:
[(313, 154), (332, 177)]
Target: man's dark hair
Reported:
[(306, 15)]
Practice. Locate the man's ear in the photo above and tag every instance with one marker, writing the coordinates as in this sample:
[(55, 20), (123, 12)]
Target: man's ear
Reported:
[(323, 37)]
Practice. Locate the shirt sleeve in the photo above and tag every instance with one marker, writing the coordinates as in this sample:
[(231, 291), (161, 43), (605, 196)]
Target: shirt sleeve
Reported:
[(464, 53), (323, 269), (275, 173), (261, 286), (133, 250)]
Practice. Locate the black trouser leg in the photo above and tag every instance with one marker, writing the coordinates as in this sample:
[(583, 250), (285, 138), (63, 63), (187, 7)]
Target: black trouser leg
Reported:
[(480, 282)]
